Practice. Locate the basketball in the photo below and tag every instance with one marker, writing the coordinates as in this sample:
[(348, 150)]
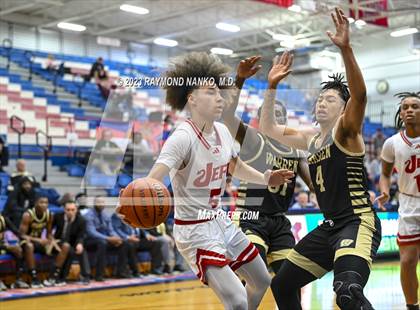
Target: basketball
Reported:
[(145, 203)]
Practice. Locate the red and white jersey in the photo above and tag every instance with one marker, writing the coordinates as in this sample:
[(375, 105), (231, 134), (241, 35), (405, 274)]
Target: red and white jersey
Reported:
[(404, 152), (199, 165)]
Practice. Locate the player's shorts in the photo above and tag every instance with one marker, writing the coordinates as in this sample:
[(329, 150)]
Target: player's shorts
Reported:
[(273, 233), (216, 242), (319, 249), (409, 220), (38, 248)]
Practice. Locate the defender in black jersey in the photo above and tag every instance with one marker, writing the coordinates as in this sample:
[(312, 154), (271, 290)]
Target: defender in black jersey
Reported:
[(271, 232), (349, 237), (15, 250)]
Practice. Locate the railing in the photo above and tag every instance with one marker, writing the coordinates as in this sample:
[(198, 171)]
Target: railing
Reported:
[(19, 130), (7, 45), (28, 56), (46, 148)]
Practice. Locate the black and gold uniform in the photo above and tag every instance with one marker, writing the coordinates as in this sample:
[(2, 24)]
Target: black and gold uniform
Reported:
[(351, 226), (36, 227), (272, 229)]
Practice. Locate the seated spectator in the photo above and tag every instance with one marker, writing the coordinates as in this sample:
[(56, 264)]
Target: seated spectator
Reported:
[(139, 153), (139, 240), (100, 75), (4, 154), (101, 236), (20, 200), (168, 248), (106, 155), (378, 140), (302, 201), (65, 198), (81, 202), (50, 63), (313, 201), (179, 260), (34, 221), (374, 167), (22, 172), (14, 250), (70, 230)]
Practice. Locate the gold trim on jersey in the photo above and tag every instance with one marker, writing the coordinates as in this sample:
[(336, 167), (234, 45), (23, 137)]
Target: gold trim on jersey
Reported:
[(258, 154), (354, 173), (355, 180), (356, 186), (358, 193), (282, 154), (277, 255), (359, 202), (362, 210), (305, 263), (240, 202), (316, 136), (46, 215), (254, 238), (363, 246), (346, 151)]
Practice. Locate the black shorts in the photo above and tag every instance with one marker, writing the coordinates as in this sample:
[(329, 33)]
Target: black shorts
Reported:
[(271, 232), (319, 249), (38, 248)]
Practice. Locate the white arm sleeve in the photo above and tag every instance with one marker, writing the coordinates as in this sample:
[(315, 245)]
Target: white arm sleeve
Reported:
[(175, 150), (388, 152)]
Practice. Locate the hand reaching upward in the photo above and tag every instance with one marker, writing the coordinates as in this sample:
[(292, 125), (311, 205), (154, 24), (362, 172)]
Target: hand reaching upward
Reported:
[(341, 37), (280, 69)]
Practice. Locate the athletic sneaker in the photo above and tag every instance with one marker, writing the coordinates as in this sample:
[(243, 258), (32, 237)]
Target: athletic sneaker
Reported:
[(36, 283), (19, 284), (3, 286), (60, 282), (49, 282)]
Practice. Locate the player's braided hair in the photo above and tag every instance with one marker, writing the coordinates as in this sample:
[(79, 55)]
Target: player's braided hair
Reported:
[(402, 96), (339, 85), (192, 65)]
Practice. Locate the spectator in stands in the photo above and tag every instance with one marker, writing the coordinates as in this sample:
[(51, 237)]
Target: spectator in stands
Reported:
[(374, 169), (107, 154), (313, 202), (81, 201), (70, 229), (20, 200), (179, 260), (168, 245), (139, 240), (4, 154), (65, 198), (34, 222), (138, 154), (97, 66), (14, 250), (168, 125), (378, 140), (302, 201), (100, 75), (22, 172), (101, 237), (50, 64)]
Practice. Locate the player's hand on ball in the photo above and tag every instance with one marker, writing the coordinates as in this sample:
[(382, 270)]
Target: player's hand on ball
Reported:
[(279, 177), (281, 68), (382, 200), (247, 67)]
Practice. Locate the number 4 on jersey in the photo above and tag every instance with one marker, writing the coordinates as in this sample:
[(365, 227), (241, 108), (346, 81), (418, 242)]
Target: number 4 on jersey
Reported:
[(320, 179)]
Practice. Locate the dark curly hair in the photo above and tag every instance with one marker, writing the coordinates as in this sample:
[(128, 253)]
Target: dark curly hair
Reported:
[(402, 96), (339, 85), (192, 65)]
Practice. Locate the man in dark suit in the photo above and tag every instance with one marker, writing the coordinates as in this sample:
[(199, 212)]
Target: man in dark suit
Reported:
[(70, 231)]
